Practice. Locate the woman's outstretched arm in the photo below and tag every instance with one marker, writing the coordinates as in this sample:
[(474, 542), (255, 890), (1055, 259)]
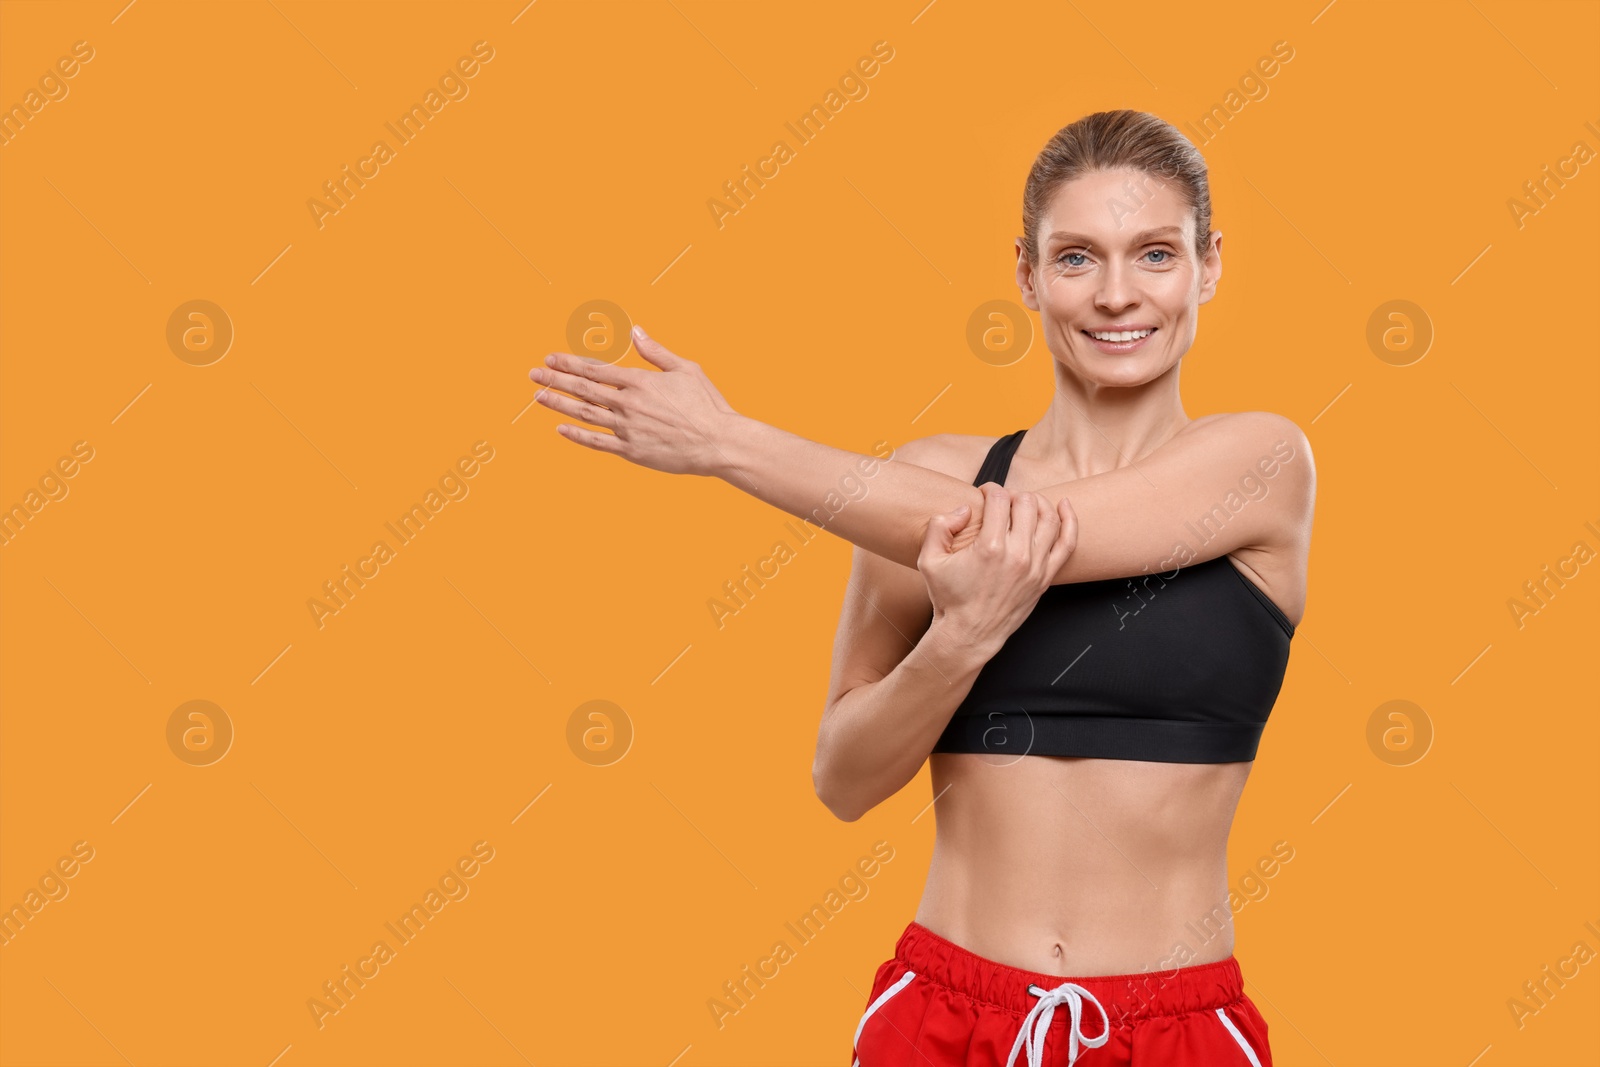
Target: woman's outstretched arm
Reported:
[(1233, 481)]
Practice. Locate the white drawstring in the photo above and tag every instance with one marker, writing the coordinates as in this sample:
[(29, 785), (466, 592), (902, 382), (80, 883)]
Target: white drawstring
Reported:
[(1072, 995)]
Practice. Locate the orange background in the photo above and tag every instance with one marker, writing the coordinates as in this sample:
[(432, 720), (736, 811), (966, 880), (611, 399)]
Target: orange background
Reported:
[(369, 354)]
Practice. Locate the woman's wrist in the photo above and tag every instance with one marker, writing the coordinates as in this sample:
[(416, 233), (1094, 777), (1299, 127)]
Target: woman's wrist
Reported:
[(964, 647), (732, 436)]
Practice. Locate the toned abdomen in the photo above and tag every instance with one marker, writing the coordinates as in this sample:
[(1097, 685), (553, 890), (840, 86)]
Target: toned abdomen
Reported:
[(1082, 866)]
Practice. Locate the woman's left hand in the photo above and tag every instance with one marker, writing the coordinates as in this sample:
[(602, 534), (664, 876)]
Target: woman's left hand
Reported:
[(666, 421)]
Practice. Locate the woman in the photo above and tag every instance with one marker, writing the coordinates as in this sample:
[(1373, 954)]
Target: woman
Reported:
[(1088, 680)]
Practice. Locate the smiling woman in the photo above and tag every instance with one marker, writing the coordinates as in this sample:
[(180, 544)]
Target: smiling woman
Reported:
[(1076, 860)]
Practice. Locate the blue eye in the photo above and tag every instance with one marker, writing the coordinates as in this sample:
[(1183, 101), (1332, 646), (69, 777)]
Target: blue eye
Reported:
[(1167, 257)]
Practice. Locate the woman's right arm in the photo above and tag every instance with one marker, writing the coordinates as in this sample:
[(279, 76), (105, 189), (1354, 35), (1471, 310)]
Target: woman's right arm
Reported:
[(880, 724), (897, 678)]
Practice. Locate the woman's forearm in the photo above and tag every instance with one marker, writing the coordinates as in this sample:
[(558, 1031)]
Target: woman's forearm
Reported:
[(875, 738), (1183, 503), (881, 504)]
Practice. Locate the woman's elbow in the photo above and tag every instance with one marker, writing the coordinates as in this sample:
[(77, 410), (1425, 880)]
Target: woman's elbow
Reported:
[(844, 807)]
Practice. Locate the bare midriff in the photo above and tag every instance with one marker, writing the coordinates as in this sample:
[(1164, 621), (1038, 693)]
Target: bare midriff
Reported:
[(1079, 867)]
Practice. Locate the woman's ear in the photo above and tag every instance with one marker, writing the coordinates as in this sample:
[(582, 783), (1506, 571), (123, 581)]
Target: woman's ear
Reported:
[(1025, 277), (1211, 268)]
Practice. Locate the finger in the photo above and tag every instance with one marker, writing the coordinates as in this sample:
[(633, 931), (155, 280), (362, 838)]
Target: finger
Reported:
[(968, 534), (1048, 526), (1024, 518), (941, 530), (581, 387), (1066, 538), (585, 367), (653, 351), (578, 409), (958, 522), (600, 442), (996, 516), (937, 537)]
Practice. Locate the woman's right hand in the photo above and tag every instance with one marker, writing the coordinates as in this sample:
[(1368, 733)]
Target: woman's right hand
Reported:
[(984, 591)]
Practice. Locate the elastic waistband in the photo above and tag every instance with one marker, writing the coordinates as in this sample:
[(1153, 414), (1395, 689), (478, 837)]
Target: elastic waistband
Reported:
[(1125, 997), (976, 727)]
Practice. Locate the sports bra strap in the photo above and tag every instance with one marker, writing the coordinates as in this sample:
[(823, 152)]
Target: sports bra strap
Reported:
[(998, 462)]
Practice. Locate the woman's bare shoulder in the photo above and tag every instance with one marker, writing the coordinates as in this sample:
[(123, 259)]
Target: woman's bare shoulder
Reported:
[(1268, 430), (1256, 422)]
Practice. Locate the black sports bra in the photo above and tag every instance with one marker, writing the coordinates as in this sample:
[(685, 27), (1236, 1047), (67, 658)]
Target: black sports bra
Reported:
[(1178, 667)]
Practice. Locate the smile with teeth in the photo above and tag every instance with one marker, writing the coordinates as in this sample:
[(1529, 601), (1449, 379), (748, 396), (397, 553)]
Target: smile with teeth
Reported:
[(1123, 335)]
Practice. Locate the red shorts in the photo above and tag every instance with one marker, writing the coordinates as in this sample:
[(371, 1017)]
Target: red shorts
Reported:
[(935, 1004)]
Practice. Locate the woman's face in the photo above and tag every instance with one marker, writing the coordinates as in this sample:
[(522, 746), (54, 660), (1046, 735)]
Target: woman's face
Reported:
[(1116, 249)]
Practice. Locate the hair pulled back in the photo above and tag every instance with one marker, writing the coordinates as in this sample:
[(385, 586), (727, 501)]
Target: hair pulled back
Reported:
[(1111, 140)]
